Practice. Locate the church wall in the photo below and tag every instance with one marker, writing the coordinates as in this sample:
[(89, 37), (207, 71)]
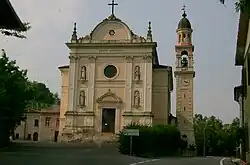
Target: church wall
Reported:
[(64, 96), (115, 85), (160, 96), (100, 70)]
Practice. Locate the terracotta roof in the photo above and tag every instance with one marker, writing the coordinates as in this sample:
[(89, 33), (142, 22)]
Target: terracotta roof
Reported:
[(8, 17), (55, 108), (52, 109), (63, 67)]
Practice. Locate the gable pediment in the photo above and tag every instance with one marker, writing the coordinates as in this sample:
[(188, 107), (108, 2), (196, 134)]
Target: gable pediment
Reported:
[(109, 97)]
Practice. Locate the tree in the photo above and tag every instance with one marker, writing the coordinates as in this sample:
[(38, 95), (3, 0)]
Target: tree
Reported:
[(40, 96), (13, 96), (218, 139), (241, 5), (16, 33)]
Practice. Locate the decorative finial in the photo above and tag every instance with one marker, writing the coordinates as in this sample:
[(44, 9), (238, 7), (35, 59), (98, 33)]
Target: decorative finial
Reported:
[(149, 26), (3, 52), (149, 35), (184, 11), (113, 4), (75, 27), (74, 35)]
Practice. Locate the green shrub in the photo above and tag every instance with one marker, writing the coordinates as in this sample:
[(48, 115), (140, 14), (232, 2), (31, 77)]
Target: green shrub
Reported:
[(159, 140)]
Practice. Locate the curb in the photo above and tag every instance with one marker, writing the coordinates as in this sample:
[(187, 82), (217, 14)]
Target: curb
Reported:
[(238, 162)]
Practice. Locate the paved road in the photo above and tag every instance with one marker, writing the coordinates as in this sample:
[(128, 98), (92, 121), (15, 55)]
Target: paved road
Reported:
[(44, 154)]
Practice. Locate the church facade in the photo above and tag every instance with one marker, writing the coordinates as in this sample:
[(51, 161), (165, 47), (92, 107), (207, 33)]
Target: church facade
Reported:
[(113, 79)]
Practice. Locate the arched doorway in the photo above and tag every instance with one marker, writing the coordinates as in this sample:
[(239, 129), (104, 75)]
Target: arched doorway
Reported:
[(35, 136)]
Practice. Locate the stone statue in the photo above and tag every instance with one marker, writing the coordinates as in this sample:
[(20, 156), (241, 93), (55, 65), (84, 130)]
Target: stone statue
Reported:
[(137, 73), (82, 98), (137, 98), (83, 73)]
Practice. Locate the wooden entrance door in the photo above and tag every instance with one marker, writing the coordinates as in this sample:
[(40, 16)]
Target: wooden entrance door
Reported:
[(108, 120)]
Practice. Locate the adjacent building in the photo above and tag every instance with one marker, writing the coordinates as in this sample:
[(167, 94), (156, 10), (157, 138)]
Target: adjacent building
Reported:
[(40, 125), (8, 17), (242, 92)]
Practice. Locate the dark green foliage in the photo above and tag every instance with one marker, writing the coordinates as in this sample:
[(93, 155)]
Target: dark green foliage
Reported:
[(16, 33), (220, 139), (40, 96), (16, 93), (241, 5), (13, 96), (160, 140)]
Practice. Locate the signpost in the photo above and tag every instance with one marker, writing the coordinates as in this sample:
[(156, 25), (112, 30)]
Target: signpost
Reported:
[(131, 133)]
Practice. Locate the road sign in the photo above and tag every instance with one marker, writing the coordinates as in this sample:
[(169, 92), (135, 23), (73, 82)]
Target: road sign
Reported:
[(131, 132)]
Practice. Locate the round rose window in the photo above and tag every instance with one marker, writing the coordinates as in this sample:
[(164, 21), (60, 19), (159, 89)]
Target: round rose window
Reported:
[(110, 71)]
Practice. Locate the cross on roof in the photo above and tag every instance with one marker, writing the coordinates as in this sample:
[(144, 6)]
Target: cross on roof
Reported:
[(113, 4), (184, 7)]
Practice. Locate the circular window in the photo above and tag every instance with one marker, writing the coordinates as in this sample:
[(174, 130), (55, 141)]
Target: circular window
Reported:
[(111, 32), (110, 71)]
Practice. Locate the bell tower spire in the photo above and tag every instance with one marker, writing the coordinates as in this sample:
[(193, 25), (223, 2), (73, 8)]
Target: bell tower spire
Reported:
[(184, 74)]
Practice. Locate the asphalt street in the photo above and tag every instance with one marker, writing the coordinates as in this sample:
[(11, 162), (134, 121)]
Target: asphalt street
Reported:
[(75, 154)]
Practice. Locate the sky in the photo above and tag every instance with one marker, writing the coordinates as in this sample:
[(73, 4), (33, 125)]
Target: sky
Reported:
[(215, 33)]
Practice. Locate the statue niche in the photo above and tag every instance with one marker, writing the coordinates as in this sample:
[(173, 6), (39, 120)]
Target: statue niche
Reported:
[(82, 99), (83, 73), (184, 59), (136, 99), (137, 74)]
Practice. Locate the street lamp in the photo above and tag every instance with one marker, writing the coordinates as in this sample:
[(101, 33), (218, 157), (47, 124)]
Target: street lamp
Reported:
[(204, 138), (204, 142)]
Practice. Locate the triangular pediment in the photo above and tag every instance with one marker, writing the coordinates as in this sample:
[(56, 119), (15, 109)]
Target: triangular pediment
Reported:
[(109, 97)]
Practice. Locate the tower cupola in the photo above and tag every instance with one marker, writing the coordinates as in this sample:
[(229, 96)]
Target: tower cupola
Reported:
[(184, 30)]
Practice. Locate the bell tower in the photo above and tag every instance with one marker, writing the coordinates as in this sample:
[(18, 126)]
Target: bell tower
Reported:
[(184, 74)]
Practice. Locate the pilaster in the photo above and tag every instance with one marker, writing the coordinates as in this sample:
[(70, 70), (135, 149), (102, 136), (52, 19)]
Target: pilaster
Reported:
[(72, 82), (128, 86), (91, 83), (147, 83)]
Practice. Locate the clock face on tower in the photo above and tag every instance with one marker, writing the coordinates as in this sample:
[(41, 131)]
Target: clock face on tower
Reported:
[(185, 82)]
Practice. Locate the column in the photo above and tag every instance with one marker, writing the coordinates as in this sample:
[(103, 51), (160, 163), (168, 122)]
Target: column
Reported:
[(149, 86), (91, 83), (128, 86), (147, 83), (72, 82)]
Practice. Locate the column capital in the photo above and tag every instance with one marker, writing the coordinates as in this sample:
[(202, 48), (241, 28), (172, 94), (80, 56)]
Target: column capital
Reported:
[(92, 58), (73, 58)]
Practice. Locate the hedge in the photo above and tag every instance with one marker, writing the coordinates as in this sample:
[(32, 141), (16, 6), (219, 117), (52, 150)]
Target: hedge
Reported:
[(153, 141)]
